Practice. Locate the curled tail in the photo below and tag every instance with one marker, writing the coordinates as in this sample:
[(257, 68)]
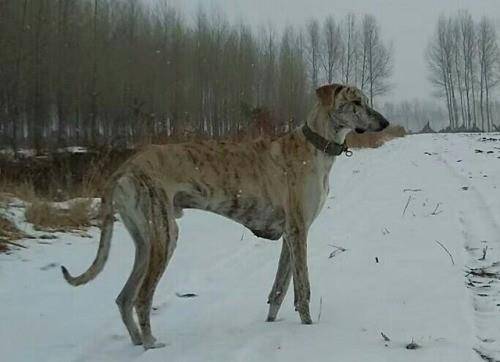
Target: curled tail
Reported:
[(104, 244)]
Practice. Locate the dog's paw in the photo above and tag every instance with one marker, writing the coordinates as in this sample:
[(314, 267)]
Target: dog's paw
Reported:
[(137, 341), (154, 345), (273, 312), (307, 320), (151, 343)]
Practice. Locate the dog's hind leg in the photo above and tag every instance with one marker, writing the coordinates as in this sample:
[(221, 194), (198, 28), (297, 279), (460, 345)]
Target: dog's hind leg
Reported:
[(161, 252), (281, 283), (127, 297), (132, 203), (163, 233)]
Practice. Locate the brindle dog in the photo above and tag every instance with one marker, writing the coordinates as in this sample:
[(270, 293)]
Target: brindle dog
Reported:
[(274, 188)]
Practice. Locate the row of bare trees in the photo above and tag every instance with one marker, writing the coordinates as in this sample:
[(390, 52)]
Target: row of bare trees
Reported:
[(350, 51), (464, 63), (90, 72)]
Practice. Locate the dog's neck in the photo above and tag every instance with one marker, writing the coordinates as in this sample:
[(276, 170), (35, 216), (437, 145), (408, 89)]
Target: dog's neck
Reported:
[(321, 123)]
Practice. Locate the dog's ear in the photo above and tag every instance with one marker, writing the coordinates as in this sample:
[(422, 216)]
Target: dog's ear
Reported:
[(326, 94)]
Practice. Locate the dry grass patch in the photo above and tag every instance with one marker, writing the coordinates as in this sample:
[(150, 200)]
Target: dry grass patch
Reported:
[(8, 233), (94, 179), (97, 173), (374, 140), (73, 215), (45, 216), (22, 190)]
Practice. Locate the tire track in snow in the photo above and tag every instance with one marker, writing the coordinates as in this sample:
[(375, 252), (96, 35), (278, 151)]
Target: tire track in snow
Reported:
[(481, 233)]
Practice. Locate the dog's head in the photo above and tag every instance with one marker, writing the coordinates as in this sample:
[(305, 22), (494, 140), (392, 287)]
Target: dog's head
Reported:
[(348, 108)]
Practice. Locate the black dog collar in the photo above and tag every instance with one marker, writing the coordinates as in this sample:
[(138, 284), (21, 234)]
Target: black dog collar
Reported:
[(331, 148)]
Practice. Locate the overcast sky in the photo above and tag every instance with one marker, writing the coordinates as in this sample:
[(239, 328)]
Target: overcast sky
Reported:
[(408, 24)]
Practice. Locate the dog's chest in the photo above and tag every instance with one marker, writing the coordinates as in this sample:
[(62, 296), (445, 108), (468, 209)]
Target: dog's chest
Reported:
[(323, 192), (260, 216), (316, 192)]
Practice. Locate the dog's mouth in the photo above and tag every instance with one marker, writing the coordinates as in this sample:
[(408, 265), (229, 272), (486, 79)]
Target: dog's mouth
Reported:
[(359, 130), (383, 125)]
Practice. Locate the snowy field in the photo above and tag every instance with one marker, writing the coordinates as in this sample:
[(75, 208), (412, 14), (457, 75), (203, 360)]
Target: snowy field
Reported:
[(397, 211)]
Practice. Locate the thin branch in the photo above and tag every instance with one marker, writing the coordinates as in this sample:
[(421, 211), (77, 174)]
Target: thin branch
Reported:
[(338, 250), (387, 339), (407, 203), (485, 249), (186, 295), (413, 345), (444, 247), (12, 243), (320, 308), (434, 213)]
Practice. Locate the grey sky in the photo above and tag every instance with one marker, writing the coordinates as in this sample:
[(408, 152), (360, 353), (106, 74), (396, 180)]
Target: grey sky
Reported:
[(407, 23)]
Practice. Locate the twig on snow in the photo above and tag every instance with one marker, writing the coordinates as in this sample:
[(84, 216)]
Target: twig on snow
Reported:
[(434, 213), (407, 203), (485, 249), (186, 295), (387, 339), (338, 250), (413, 345), (444, 247), (320, 308), (12, 243), (412, 190)]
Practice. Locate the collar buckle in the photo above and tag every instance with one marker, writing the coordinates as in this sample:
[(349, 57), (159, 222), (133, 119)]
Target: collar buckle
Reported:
[(328, 147)]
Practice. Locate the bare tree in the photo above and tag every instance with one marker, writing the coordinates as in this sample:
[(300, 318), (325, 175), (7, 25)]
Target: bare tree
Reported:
[(463, 57), (376, 60), (440, 59), (292, 75), (314, 51), (458, 60), (269, 56), (350, 42), (489, 61), (468, 50), (333, 46)]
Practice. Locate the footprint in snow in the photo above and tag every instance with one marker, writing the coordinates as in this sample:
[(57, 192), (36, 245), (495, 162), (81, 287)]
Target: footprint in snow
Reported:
[(186, 295), (49, 266)]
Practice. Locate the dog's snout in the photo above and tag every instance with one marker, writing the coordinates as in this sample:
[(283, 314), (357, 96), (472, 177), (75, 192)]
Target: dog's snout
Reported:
[(383, 123)]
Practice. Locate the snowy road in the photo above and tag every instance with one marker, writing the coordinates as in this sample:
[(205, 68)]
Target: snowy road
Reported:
[(398, 211)]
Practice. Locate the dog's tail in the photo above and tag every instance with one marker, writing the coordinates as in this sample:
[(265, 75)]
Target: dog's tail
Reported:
[(107, 219)]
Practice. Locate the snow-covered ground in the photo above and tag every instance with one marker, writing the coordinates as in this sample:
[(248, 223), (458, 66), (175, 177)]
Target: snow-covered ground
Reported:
[(395, 210)]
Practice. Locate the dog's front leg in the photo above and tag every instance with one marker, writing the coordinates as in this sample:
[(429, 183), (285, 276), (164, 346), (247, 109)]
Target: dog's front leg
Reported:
[(281, 283), (297, 242)]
